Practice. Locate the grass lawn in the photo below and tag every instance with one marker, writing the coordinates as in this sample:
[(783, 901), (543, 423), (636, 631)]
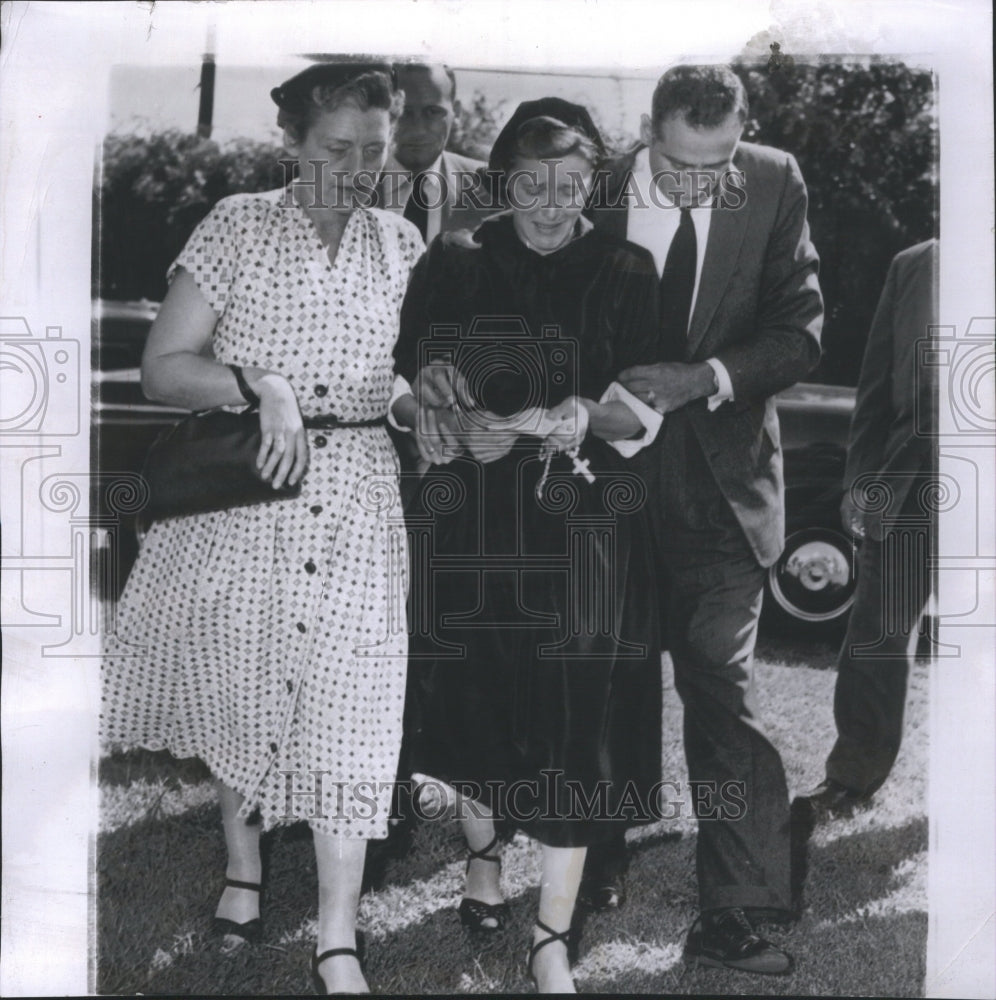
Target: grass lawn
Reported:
[(160, 862)]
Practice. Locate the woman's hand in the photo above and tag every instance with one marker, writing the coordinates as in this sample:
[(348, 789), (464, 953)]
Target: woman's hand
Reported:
[(437, 435), (442, 386), (852, 517), (570, 419), (434, 386), (283, 455), (487, 436)]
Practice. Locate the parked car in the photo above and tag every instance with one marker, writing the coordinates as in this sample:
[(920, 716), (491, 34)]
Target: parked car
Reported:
[(811, 585)]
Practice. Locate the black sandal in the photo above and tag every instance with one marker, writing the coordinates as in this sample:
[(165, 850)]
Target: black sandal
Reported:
[(251, 931), (564, 937), (316, 960), (473, 912)]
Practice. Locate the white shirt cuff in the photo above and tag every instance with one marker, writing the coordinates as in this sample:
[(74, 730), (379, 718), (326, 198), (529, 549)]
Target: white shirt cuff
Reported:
[(401, 388), (725, 390), (650, 419)]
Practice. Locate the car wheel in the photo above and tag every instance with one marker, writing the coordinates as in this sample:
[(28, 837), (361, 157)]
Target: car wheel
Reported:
[(812, 583)]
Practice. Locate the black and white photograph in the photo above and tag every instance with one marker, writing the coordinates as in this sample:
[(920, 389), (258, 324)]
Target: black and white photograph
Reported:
[(494, 498)]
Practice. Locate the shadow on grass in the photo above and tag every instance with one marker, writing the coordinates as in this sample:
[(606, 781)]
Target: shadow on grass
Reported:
[(150, 765), (158, 883), (852, 939)]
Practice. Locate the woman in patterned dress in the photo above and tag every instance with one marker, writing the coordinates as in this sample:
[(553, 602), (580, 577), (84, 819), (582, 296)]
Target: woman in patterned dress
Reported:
[(535, 687), (273, 645)]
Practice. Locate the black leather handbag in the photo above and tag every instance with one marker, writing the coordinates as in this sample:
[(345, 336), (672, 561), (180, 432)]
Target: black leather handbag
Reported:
[(207, 462)]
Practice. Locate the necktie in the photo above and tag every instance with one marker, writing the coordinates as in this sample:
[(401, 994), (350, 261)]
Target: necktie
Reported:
[(676, 287)]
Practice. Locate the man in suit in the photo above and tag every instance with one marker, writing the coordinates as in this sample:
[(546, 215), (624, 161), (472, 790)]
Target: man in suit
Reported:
[(890, 455), (435, 189), (741, 320)]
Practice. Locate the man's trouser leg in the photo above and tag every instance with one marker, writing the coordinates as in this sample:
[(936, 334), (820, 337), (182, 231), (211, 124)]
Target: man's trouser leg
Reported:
[(873, 665), (715, 587)]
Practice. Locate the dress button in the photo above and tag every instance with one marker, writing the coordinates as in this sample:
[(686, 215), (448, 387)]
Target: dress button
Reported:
[(320, 441), (317, 509), (310, 567), (321, 390), (273, 748), (301, 627), (290, 687)]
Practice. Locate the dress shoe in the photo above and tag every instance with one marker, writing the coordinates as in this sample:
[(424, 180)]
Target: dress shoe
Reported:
[(233, 934), (725, 939), (831, 798), (603, 884), (475, 914)]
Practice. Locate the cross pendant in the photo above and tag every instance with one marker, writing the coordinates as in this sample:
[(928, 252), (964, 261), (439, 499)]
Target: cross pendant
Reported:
[(580, 466)]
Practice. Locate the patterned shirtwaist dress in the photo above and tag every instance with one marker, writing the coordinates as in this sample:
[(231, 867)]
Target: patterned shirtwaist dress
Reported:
[(274, 636)]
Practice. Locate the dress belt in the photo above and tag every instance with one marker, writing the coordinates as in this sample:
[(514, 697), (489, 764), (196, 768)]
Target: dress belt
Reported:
[(330, 422)]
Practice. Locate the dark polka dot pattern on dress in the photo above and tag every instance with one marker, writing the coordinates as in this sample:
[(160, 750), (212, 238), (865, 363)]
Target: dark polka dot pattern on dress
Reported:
[(274, 647)]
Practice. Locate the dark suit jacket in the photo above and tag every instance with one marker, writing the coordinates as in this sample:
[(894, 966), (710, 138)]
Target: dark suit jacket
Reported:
[(894, 416), (468, 197), (760, 312)]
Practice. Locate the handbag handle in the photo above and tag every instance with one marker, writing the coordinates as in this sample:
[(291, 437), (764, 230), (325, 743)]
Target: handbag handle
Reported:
[(247, 392)]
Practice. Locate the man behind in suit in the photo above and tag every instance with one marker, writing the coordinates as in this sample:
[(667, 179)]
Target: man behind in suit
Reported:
[(435, 189), (741, 320), (890, 452)]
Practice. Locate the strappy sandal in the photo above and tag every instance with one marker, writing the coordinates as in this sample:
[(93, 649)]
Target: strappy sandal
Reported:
[(564, 937), (250, 931), (474, 912), (316, 960)]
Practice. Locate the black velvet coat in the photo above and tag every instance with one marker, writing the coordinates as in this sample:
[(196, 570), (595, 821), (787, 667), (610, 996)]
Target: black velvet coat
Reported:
[(535, 678)]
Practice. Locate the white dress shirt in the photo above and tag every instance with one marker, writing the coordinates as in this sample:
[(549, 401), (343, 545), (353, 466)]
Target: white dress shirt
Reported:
[(401, 181), (653, 224)]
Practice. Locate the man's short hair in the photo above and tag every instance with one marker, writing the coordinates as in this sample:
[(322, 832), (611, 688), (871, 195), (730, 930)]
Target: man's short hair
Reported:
[(703, 96), (428, 68)]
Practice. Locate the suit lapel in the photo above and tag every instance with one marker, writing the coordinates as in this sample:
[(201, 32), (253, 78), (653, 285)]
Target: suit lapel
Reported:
[(450, 179), (726, 234)]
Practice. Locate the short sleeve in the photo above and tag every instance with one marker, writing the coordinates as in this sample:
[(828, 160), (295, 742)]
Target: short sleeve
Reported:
[(410, 245), (212, 253)]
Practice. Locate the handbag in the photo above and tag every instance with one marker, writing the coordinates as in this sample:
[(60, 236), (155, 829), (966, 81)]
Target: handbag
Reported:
[(207, 462)]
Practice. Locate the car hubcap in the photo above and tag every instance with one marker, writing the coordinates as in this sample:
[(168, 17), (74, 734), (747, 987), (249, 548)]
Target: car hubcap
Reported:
[(814, 578)]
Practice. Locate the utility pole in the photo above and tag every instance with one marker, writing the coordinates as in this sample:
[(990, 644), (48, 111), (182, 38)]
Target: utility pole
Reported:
[(205, 112)]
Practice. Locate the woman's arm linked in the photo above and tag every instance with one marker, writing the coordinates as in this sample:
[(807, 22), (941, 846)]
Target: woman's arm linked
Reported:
[(176, 371)]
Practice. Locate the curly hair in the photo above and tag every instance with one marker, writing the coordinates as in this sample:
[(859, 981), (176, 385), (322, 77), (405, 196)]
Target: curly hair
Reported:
[(328, 86)]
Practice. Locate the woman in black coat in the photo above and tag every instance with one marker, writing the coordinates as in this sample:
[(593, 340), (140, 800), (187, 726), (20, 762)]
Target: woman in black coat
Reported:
[(535, 685)]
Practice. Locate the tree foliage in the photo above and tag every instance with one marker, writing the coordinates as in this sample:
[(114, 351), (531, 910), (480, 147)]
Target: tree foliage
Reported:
[(865, 137), (864, 134), (155, 189)]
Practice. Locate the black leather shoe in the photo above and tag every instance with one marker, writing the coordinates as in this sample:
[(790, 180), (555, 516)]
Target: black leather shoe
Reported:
[(603, 884), (831, 798), (725, 939)]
